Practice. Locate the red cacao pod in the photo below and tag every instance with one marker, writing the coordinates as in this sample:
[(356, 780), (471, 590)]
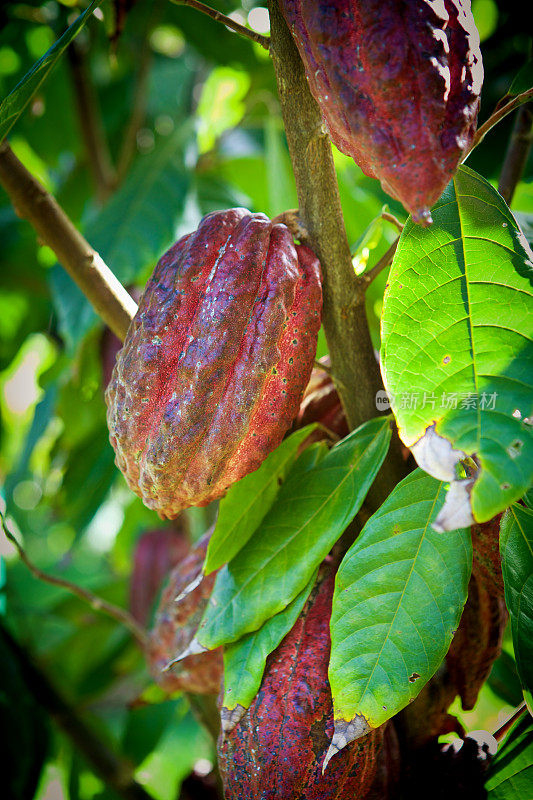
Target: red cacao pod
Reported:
[(215, 361), (156, 553), (277, 749), (176, 621), (398, 86)]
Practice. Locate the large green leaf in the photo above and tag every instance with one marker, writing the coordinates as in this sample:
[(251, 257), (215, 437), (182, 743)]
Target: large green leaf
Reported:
[(516, 548), (244, 661), (457, 354), (16, 101), (134, 229), (399, 595), (511, 772), (248, 500), (312, 509)]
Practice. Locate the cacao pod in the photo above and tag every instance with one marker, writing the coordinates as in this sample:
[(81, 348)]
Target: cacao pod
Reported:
[(176, 621), (277, 749), (156, 553), (215, 361), (398, 86)]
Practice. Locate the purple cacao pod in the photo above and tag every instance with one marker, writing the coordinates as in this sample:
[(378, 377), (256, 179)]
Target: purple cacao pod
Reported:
[(277, 749), (176, 621), (215, 361), (398, 84)]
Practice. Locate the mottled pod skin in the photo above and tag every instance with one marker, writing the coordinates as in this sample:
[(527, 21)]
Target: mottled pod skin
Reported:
[(277, 749), (178, 616), (215, 361), (398, 84)]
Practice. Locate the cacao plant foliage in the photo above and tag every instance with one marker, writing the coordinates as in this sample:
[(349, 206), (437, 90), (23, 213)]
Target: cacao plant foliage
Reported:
[(345, 610)]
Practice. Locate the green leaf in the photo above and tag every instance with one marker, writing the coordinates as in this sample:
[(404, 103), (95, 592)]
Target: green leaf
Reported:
[(244, 661), (16, 101), (312, 509), (516, 549), (399, 596), (457, 354), (511, 771), (504, 681), (523, 80), (248, 500)]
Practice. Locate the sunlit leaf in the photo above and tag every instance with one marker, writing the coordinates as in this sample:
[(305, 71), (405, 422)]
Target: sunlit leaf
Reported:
[(399, 595), (457, 354), (244, 661), (312, 509), (248, 500)]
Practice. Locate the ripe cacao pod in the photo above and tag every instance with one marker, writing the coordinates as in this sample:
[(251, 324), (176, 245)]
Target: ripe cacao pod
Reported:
[(176, 621), (398, 86), (156, 553), (215, 361), (277, 749)]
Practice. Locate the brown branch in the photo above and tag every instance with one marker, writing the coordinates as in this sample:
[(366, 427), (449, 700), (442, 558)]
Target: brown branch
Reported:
[(91, 125), (496, 117), (386, 259), (112, 767), (31, 201), (353, 362), (344, 317), (517, 153), (264, 41), (98, 603), (391, 218)]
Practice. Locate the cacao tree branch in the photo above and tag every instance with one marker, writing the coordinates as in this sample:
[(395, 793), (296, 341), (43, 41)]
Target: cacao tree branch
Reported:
[(90, 124), (84, 265), (352, 355), (386, 259), (264, 41), (98, 603), (496, 117), (502, 731), (517, 152), (353, 363), (112, 767)]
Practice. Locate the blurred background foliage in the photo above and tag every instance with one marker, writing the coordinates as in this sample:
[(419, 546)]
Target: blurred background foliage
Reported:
[(138, 140)]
